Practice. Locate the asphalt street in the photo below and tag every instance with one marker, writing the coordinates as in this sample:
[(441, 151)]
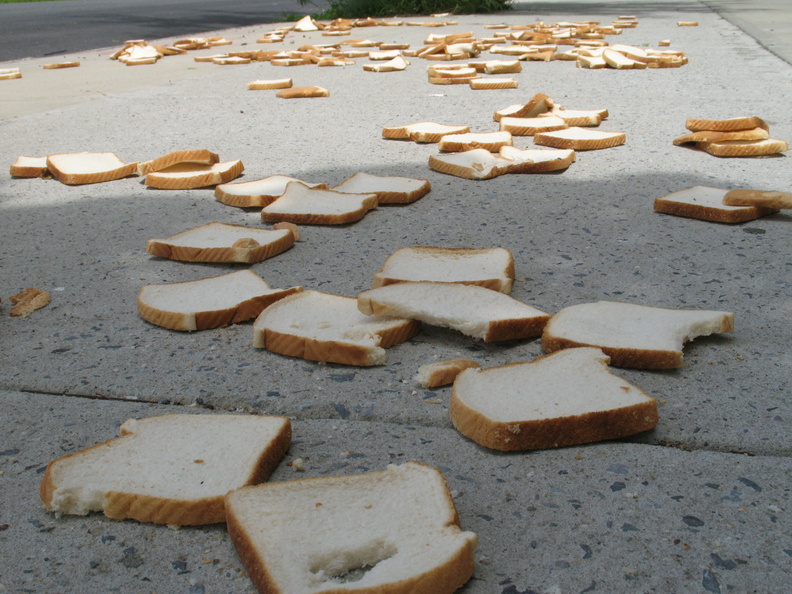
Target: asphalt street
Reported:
[(39, 29)]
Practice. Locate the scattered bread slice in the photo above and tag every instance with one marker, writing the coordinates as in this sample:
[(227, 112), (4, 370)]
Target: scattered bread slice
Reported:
[(493, 83), (708, 204), (492, 268), (59, 65), (394, 531), (532, 126), (206, 303), (324, 327), (303, 92), (442, 373), (759, 198), (259, 192), (537, 160), (389, 189), (567, 398), (169, 469), (580, 139), (199, 157), (29, 167), (29, 300), (731, 124), (301, 204), (472, 310), (422, 132), (744, 148), (473, 164), (395, 65), (221, 242), (88, 168), (491, 141), (539, 104), (631, 335), (757, 133), (263, 85), (10, 73), (579, 117), (187, 176)]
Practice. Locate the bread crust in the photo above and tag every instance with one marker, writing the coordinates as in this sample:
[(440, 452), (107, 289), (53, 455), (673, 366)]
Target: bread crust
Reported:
[(707, 213), (369, 202), (759, 198), (117, 171), (204, 175), (741, 123)]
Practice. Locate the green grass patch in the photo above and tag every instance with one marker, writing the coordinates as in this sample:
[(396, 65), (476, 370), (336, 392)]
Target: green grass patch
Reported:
[(351, 9)]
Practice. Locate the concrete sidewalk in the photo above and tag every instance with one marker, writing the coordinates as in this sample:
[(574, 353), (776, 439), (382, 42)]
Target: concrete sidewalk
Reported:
[(699, 504)]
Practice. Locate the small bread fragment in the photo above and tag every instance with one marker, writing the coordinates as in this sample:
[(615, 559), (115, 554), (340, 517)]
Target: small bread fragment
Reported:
[(291, 227), (636, 336), (263, 85), (442, 373), (566, 398), (728, 125), (491, 141), (708, 204), (301, 204), (491, 268), (580, 139), (394, 531), (187, 176), (472, 310), (212, 302), (759, 198), (389, 189), (168, 469), (28, 301), (221, 242), (88, 168), (302, 92), (196, 156), (422, 132), (259, 192), (744, 148), (324, 327), (29, 167)]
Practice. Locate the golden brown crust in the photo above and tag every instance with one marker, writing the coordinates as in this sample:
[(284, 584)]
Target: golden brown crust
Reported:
[(203, 176), (621, 357), (551, 433), (35, 167), (742, 123), (302, 92), (111, 174), (579, 144), (28, 301), (707, 213), (368, 203), (715, 136), (518, 329), (201, 156), (445, 372), (544, 166), (58, 65), (746, 148)]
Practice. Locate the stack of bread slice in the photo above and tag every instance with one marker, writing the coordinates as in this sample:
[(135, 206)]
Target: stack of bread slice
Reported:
[(735, 137), (260, 192), (480, 164), (184, 170), (721, 206)]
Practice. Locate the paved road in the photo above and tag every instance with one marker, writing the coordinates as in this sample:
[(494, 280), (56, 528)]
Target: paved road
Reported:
[(37, 29)]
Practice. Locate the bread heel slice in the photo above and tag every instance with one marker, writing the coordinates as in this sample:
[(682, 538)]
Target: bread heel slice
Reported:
[(393, 531), (169, 469), (442, 373), (563, 399), (636, 336)]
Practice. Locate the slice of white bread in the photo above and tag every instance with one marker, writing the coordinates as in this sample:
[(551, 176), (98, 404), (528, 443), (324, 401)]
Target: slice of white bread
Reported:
[(491, 141), (539, 103), (263, 85), (492, 268), (442, 373), (579, 117), (635, 336), (198, 156), (537, 160), (744, 148), (88, 168), (259, 192), (757, 133), (741, 123), (302, 92), (580, 139), (301, 204), (395, 531), (389, 189), (221, 242), (476, 164), (29, 167), (472, 310), (532, 126), (708, 204), (186, 176), (168, 469), (324, 327), (563, 399), (422, 132), (492, 83), (211, 302), (759, 198)]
